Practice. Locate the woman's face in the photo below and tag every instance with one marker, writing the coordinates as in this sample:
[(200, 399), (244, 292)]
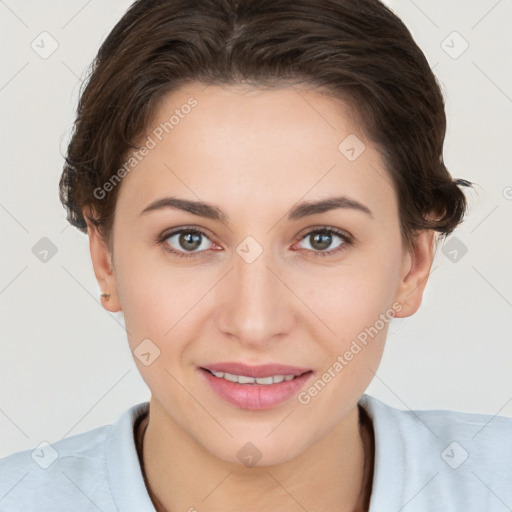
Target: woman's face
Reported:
[(252, 279)]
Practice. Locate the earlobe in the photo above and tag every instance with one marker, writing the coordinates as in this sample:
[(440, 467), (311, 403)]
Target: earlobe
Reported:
[(415, 273), (103, 267)]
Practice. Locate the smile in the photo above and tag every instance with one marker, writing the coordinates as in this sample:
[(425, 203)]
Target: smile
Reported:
[(255, 393)]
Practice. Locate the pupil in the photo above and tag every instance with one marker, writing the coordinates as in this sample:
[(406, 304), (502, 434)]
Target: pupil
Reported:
[(325, 240), (190, 241)]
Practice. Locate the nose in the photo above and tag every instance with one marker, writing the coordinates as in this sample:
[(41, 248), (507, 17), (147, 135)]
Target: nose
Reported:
[(255, 304)]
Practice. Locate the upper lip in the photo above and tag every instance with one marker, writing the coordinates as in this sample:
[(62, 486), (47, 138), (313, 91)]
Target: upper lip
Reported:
[(264, 370)]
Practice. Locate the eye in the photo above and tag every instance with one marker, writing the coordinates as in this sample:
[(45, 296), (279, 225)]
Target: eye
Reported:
[(183, 241), (322, 239), (188, 242)]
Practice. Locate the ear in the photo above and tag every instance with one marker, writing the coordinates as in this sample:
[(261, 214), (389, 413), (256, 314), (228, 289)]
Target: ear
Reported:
[(102, 265), (415, 272)]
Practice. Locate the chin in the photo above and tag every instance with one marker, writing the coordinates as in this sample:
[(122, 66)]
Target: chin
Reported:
[(251, 451)]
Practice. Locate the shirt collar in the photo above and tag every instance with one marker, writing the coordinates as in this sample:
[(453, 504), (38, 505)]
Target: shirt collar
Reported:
[(123, 469), (389, 455)]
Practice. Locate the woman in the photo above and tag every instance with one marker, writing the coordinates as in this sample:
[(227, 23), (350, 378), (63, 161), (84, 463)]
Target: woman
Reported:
[(263, 188)]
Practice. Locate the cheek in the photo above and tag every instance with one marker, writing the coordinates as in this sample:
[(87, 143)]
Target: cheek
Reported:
[(357, 303), (153, 305), (150, 295), (356, 296), (358, 309)]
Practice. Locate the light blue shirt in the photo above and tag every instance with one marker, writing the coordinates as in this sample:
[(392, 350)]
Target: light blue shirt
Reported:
[(424, 461)]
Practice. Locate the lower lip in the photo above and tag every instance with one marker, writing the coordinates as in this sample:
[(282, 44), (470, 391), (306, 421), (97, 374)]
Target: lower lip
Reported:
[(256, 396)]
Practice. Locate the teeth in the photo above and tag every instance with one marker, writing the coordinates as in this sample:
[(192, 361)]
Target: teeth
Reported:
[(242, 379)]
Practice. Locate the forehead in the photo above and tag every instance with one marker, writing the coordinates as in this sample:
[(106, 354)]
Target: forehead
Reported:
[(229, 145)]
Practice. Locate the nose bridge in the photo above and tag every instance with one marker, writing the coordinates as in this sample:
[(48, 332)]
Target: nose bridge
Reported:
[(255, 308)]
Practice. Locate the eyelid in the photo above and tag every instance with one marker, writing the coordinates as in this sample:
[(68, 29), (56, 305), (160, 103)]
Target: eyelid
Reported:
[(168, 233), (347, 240), (161, 239), (319, 228)]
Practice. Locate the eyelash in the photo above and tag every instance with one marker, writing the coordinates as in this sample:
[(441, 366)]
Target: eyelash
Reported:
[(324, 230)]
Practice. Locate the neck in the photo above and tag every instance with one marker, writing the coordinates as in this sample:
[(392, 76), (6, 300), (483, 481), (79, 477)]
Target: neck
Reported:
[(175, 482)]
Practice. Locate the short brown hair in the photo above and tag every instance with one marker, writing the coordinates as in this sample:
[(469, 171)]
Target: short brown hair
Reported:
[(357, 50)]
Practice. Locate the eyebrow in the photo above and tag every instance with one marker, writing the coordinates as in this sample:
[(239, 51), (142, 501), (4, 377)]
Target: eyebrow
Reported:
[(299, 211)]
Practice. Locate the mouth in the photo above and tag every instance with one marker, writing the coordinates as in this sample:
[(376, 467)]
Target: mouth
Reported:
[(256, 387)]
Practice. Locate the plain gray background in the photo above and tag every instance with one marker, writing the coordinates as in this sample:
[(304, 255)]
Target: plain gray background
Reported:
[(65, 365)]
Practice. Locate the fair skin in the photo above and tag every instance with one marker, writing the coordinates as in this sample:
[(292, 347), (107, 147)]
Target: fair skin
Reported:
[(255, 154)]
